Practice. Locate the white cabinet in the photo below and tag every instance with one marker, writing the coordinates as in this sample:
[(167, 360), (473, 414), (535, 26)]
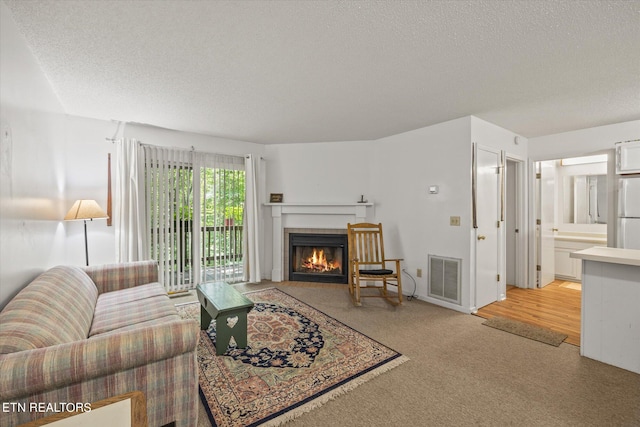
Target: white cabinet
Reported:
[(568, 268), (628, 157)]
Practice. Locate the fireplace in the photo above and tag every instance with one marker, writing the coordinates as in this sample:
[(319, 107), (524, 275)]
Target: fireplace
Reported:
[(318, 257)]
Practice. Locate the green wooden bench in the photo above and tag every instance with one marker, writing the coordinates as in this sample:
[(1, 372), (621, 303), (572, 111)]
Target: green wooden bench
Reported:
[(220, 302)]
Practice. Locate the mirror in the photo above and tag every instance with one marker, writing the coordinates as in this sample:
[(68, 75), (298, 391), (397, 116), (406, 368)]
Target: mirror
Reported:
[(585, 199)]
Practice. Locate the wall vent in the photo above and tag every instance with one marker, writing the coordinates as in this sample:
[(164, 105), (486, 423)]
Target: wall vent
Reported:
[(444, 278)]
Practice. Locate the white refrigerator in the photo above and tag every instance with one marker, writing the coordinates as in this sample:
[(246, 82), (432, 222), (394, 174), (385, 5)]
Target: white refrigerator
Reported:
[(629, 212)]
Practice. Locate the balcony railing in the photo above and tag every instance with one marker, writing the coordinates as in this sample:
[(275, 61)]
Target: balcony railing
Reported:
[(221, 250), (222, 244)]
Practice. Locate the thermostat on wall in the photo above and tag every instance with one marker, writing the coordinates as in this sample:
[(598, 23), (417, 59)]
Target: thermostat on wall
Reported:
[(433, 189)]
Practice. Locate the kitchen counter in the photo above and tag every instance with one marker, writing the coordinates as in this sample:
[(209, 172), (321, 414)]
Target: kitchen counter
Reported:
[(610, 326), (612, 255)]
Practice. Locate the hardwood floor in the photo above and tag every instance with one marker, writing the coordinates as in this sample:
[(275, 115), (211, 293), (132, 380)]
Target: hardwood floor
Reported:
[(555, 307)]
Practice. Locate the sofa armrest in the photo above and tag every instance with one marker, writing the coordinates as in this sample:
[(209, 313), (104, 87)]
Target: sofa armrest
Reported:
[(114, 277), (34, 371)]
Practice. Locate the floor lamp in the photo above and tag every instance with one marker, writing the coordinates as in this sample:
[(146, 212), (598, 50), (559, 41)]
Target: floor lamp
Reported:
[(86, 210)]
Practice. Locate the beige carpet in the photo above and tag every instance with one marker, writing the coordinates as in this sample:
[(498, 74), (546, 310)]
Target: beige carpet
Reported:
[(463, 373)]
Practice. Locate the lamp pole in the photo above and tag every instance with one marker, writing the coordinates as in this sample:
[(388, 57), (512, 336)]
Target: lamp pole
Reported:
[(86, 245)]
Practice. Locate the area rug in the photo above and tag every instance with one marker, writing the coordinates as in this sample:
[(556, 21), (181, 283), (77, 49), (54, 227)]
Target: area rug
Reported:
[(533, 332), (297, 358)]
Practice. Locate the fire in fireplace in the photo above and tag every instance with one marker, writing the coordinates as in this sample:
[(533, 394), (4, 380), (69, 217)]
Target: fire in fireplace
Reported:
[(318, 257)]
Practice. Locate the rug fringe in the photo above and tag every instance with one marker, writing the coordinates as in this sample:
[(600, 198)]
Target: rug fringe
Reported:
[(337, 392)]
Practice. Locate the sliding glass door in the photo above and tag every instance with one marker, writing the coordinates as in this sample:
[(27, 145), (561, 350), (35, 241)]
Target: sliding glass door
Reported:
[(195, 211), (222, 194)]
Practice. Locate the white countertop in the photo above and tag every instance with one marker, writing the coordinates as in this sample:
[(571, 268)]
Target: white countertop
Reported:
[(611, 255), (582, 237)]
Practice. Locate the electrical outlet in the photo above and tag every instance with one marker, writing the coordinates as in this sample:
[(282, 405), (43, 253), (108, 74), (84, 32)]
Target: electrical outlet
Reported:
[(419, 272), (454, 220)]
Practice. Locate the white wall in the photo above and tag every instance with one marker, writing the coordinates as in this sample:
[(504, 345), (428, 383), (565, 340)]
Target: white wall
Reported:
[(171, 138), (582, 142), (490, 135), (49, 160), (86, 153), (416, 222), (32, 169), (329, 172), (395, 174)]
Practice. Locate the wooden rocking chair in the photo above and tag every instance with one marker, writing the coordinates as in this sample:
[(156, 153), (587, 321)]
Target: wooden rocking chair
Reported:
[(368, 266)]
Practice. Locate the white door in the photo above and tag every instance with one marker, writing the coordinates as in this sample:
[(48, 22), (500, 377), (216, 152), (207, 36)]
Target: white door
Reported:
[(488, 223), (546, 226)]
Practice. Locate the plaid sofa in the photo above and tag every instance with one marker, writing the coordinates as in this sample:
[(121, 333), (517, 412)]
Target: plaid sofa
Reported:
[(78, 335)]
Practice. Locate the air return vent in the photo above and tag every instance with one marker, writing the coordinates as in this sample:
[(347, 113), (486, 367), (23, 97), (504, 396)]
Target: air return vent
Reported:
[(444, 278)]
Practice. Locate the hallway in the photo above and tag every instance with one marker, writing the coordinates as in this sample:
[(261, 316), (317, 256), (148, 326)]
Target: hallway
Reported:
[(555, 307)]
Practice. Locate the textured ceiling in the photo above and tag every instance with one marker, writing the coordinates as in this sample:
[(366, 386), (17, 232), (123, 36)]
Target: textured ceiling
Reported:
[(300, 71)]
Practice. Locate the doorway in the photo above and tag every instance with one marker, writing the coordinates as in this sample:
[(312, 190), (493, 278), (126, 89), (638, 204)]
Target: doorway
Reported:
[(515, 256), (500, 224), (574, 210)]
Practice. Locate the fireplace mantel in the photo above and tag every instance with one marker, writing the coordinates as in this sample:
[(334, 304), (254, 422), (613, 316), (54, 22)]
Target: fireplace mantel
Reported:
[(355, 212)]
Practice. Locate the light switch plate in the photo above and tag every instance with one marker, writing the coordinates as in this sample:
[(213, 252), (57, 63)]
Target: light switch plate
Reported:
[(454, 220)]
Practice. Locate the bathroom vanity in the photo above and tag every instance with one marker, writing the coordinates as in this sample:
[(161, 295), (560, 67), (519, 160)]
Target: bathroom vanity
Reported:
[(567, 268), (610, 325)]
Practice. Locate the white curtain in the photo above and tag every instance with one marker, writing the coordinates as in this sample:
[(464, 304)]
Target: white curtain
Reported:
[(252, 271), (171, 220), (129, 217)]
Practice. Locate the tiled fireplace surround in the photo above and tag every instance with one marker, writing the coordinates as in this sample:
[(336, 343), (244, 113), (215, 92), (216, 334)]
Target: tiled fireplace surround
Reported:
[(321, 218)]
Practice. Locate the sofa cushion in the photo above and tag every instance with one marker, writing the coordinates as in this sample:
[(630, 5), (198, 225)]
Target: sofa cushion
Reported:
[(57, 307), (120, 309), (131, 294)]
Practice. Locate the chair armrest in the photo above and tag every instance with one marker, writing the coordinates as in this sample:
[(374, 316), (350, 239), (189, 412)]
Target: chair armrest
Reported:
[(34, 371), (114, 277)]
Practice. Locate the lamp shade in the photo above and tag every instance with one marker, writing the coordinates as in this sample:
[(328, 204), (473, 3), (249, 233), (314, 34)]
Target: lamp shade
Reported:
[(85, 209)]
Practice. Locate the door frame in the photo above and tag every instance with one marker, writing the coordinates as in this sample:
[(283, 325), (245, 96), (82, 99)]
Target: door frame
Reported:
[(526, 240), (522, 244)]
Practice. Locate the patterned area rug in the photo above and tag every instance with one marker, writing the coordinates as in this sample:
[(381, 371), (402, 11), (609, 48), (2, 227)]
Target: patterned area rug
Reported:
[(297, 359)]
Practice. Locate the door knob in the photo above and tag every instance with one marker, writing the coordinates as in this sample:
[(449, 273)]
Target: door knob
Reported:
[(481, 237)]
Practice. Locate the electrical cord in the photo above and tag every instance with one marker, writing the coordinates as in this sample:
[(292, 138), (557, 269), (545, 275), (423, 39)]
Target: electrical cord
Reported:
[(415, 285)]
